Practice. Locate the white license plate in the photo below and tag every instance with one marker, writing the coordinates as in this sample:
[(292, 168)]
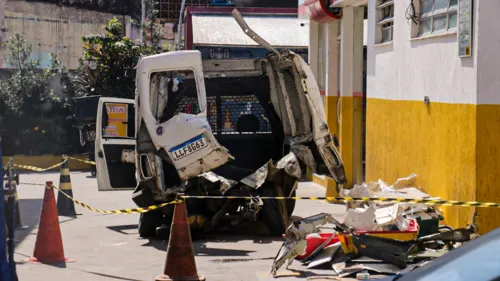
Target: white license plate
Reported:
[(189, 147)]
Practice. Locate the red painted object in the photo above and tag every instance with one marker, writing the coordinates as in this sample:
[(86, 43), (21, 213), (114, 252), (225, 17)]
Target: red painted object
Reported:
[(180, 263), (48, 244), (315, 240), (317, 10)]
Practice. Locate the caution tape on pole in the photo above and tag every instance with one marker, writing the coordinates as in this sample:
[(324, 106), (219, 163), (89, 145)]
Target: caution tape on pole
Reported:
[(117, 212)]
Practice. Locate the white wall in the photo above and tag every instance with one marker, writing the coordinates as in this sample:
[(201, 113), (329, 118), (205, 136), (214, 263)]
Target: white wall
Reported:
[(409, 69), (488, 42)]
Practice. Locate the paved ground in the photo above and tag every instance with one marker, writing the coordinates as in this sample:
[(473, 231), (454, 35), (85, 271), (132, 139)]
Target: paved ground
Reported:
[(107, 247)]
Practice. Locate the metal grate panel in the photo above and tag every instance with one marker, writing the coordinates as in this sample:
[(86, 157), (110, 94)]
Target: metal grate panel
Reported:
[(234, 106), (190, 105), (170, 9)]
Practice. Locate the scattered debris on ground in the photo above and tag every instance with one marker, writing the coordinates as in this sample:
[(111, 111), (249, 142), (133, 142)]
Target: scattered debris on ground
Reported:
[(382, 238)]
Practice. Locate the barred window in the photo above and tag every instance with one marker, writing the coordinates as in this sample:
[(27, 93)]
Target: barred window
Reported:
[(385, 23), (437, 16)]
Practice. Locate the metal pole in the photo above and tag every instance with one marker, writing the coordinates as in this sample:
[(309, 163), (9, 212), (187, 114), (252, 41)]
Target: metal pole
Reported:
[(11, 204), (179, 29), (4, 265), (143, 19)]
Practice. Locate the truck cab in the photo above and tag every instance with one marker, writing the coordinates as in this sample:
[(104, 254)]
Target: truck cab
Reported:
[(226, 127), (243, 128)]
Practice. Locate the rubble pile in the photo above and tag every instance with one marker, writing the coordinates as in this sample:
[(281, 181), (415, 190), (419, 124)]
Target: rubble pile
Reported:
[(376, 237)]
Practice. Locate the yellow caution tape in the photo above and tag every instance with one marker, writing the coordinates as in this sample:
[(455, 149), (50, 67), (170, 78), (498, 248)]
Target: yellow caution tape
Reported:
[(119, 212), (81, 160), (37, 169), (429, 202)]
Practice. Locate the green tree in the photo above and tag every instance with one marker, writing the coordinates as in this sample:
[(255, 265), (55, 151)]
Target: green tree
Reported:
[(33, 118), (108, 64)]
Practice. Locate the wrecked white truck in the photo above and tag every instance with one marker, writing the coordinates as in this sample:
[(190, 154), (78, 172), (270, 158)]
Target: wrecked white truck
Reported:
[(227, 128)]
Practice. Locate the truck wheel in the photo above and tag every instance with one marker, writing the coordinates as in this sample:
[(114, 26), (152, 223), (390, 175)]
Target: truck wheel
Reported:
[(274, 213), (148, 222)]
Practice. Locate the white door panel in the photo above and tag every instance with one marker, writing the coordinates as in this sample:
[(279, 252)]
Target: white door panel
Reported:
[(186, 138), (110, 150)]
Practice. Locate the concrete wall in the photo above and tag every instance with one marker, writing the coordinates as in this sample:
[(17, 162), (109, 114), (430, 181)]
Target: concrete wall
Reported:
[(436, 141), (53, 29), (266, 3)]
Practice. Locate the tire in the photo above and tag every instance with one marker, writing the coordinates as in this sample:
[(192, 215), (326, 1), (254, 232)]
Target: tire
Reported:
[(274, 213), (148, 222)]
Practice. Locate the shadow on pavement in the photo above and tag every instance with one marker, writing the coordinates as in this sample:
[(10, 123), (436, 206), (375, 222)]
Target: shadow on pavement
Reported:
[(122, 229), (30, 215), (25, 261), (109, 276), (201, 249)]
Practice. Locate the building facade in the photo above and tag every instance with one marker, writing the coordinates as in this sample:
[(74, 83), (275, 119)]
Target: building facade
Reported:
[(432, 106), (337, 57), (433, 103)]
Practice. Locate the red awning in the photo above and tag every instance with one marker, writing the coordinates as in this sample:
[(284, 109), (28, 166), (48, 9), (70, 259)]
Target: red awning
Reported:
[(317, 10)]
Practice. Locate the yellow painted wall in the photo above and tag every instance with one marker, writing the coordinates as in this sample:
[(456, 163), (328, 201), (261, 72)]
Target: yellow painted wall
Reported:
[(45, 161), (350, 137), (437, 142), (488, 165), (331, 103)]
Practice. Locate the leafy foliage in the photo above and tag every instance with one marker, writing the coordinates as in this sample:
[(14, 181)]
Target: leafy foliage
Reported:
[(33, 118), (108, 65)]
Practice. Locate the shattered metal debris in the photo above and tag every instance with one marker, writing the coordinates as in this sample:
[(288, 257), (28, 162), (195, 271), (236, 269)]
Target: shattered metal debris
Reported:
[(384, 238), (295, 238), (325, 256)]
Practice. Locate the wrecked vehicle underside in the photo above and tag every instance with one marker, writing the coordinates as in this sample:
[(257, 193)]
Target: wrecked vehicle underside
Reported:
[(228, 127)]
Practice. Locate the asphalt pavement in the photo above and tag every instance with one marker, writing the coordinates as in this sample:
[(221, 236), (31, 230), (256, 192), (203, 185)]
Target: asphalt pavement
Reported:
[(108, 247)]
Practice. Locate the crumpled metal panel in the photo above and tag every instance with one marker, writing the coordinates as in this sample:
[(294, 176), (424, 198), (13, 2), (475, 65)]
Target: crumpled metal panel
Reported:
[(280, 31), (225, 184), (289, 164)]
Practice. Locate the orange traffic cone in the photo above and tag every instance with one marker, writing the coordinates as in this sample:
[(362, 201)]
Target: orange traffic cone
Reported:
[(48, 245), (180, 263)]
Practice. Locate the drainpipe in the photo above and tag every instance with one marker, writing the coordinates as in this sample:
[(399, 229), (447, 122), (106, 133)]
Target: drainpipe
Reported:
[(143, 19), (4, 264), (179, 29)]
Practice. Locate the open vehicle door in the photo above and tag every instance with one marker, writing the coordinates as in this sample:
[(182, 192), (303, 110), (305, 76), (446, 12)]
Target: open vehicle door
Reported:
[(182, 139), (115, 144), (297, 101)]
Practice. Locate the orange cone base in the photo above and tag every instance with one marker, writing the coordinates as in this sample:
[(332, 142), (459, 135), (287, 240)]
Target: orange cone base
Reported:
[(166, 278), (36, 261)]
